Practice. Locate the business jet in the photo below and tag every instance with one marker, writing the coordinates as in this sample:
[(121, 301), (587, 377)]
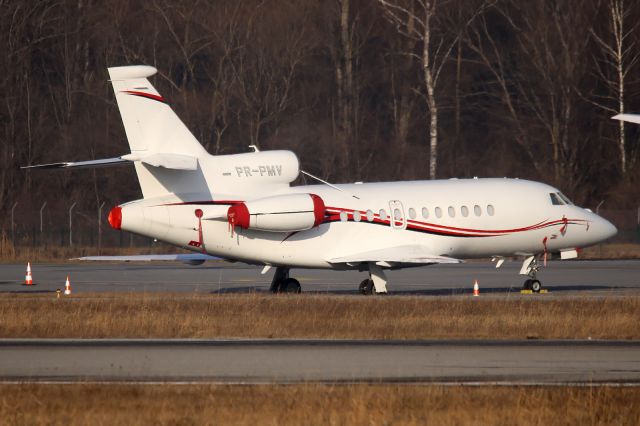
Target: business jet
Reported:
[(242, 207)]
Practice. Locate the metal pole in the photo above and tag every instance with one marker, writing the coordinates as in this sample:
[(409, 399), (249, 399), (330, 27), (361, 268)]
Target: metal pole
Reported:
[(41, 209), (70, 224), (13, 237), (100, 226)]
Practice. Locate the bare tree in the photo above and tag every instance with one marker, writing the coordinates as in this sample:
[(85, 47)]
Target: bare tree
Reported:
[(538, 88), (617, 59), (416, 19), (275, 46)]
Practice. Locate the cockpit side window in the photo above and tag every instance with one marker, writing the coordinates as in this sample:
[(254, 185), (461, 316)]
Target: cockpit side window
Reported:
[(555, 200)]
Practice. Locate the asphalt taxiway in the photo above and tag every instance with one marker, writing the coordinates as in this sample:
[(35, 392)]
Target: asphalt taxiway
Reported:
[(326, 361), (611, 277)]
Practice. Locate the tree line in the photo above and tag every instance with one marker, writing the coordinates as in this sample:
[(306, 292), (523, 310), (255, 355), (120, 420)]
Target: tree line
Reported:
[(361, 90)]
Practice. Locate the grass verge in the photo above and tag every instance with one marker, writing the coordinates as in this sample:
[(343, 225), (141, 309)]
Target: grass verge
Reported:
[(157, 315), (315, 404)]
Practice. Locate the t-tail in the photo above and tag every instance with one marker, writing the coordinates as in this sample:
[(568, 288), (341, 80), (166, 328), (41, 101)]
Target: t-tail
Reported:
[(170, 162), (165, 152)]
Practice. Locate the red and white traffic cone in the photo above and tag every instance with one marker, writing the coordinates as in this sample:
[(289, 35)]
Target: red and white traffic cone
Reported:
[(67, 287), (476, 288), (28, 279)]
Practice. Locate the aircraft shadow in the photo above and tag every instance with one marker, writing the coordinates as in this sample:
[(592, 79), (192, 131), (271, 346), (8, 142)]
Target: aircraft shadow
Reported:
[(30, 291), (431, 291)]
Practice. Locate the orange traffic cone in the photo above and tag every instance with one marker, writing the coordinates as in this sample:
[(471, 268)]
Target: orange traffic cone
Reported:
[(67, 287), (476, 288), (28, 279)]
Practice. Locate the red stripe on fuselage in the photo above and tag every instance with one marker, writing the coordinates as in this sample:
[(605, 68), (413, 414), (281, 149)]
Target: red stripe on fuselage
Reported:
[(454, 231)]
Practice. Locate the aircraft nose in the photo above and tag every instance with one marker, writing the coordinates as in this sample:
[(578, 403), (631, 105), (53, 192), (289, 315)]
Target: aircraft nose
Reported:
[(606, 229), (610, 229)]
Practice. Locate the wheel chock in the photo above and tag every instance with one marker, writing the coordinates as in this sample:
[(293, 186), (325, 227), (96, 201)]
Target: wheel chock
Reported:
[(543, 291)]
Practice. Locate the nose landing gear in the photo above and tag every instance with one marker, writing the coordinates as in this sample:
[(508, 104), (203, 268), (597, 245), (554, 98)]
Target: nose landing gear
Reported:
[(530, 267)]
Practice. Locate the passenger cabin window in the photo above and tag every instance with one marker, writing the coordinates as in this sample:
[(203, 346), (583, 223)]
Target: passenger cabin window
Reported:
[(357, 216), (412, 213), (438, 212), (452, 211), (490, 210), (383, 214), (370, 216), (464, 210), (425, 212), (343, 216), (397, 215), (477, 210)]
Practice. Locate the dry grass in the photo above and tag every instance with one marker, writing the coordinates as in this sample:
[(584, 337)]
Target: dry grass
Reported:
[(315, 404), (135, 315)]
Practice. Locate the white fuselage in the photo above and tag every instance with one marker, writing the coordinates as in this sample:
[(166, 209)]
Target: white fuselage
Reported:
[(458, 218), (242, 207)]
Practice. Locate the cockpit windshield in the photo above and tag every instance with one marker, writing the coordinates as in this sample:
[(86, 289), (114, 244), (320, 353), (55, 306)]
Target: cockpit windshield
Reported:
[(559, 199), (564, 198)]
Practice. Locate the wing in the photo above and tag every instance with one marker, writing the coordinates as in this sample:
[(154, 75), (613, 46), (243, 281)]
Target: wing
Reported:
[(395, 256), (190, 258), (631, 118)]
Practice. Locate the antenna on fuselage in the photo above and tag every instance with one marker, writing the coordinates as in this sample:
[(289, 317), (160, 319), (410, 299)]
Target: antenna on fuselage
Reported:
[(326, 183)]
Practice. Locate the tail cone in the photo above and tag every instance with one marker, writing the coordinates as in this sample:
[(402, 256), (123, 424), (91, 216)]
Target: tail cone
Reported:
[(115, 217)]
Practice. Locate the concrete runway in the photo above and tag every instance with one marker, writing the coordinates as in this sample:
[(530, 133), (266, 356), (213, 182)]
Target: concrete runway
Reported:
[(560, 277), (294, 361)]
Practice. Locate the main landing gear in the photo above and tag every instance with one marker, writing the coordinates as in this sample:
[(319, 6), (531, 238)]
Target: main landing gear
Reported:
[(530, 267), (376, 283), (282, 283)]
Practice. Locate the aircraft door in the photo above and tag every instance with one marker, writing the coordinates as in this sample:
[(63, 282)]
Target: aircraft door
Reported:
[(398, 219)]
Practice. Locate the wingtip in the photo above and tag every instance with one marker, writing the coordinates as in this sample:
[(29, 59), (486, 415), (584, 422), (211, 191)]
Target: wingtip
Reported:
[(629, 118)]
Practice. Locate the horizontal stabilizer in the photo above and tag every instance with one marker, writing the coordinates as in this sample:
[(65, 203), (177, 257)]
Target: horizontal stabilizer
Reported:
[(167, 161), (631, 118), (191, 258), (105, 162), (412, 254)]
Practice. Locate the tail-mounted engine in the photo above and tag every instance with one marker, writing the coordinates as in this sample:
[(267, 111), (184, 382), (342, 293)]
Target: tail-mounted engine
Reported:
[(283, 213)]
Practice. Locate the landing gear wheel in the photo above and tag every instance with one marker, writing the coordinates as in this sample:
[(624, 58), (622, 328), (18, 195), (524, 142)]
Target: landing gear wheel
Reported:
[(527, 285), (290, 285), (536, 286), (366, 287)]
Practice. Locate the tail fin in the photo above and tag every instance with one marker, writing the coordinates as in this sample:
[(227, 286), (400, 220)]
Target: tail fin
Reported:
[(167, 149)]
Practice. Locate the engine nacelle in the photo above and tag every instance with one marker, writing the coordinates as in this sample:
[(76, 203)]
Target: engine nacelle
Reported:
[(281, 213)]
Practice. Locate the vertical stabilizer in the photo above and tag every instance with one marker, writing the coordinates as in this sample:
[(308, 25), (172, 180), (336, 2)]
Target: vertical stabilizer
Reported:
[(154, 131)]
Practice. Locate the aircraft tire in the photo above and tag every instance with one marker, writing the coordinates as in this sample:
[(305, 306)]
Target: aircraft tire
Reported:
[(366, 287), (290, 285), (527, 285), (536, 286)]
